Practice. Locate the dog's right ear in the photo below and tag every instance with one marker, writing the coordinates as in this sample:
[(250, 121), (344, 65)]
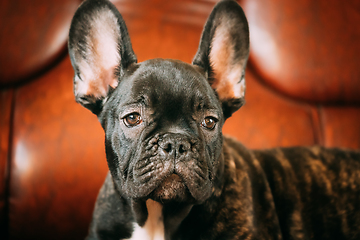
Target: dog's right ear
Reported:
[(100, 52)]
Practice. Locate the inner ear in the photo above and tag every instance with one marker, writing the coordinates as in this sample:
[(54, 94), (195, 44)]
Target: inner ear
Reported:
[(100, 57), (223, 53), (227, 65), (100, 51)]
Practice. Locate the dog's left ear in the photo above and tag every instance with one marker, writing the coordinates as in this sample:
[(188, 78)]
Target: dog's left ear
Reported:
[(223, 53)]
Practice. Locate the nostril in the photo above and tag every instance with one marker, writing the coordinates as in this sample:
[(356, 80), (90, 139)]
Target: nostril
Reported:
[(175, 145), (167, 148), (182, 149)]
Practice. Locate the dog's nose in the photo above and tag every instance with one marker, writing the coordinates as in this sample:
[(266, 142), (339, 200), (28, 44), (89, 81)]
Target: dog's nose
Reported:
[(175, 145)]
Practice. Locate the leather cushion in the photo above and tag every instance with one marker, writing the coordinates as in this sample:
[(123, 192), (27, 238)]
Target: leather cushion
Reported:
[(307, 49), (33, 35)]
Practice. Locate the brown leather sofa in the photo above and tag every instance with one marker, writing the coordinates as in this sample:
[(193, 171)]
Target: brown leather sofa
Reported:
[(303, 88)]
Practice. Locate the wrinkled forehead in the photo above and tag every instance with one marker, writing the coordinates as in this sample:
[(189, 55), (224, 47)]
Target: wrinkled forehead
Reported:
[(172, 83)]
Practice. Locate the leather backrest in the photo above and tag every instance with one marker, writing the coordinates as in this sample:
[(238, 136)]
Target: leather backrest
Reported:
[(307, 49), (33, 35)]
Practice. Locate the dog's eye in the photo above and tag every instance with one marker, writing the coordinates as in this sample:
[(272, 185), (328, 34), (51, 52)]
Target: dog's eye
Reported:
[(132, 120), (209, 123)]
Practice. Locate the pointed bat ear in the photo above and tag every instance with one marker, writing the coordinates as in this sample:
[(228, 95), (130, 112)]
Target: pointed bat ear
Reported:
[(223, 53), (100, 52)]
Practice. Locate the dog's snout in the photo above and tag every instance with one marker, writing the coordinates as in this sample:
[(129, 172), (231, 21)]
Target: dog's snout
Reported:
[(175, 145)]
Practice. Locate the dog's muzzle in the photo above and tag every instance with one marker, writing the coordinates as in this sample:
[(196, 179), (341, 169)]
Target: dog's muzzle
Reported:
[(172, 166)]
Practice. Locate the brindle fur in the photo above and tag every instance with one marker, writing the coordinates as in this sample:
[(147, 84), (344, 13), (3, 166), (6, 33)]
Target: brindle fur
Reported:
[(209, 187), (281, 193)]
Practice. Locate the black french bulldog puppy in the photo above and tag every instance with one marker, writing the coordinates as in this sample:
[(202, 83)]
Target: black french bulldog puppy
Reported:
[(173, 175)]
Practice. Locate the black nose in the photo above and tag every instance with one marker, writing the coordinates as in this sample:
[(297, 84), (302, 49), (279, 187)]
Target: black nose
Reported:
[(175, 144)]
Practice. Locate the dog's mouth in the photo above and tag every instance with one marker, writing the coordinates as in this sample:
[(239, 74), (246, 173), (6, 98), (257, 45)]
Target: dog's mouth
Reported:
[(172, 188), (170, 167), (177, 182)]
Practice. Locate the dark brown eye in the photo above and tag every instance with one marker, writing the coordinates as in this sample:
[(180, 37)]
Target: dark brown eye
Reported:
[(209, 123), (132, 120)]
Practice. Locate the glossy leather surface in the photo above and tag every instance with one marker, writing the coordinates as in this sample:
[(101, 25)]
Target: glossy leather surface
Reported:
[(307, 49), (6, 101), (33, 35), (58, 162), (54, 148)]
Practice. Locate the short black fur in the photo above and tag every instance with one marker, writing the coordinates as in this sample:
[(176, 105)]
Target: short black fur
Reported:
[(208, 186)]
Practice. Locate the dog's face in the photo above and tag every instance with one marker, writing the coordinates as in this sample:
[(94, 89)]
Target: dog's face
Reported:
[(162, 118), (163, 142)]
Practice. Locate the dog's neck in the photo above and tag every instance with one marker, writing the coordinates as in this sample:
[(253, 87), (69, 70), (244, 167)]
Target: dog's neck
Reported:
[(153, 229), (161, 220), (155, 221)]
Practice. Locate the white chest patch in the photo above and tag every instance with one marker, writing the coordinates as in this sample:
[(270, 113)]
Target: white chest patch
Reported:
[(154, 225)]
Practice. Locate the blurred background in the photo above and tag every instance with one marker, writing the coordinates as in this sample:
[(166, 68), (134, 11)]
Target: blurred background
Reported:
[(303, 88)]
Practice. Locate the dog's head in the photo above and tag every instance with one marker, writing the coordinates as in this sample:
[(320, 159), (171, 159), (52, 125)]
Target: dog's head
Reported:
[(162, 118)]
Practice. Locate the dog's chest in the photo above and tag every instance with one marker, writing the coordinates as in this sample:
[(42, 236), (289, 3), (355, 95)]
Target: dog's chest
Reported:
[(153, 228)]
